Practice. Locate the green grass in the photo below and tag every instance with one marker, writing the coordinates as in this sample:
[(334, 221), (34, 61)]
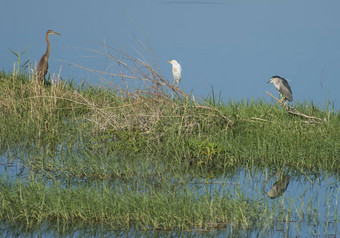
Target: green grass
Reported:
[(248, 132), (34, 203), (97, 155)]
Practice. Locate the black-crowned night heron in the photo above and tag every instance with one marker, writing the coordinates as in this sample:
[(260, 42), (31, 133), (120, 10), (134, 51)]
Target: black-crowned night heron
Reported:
[(43, 63), (283, 87), (176, 71), (279, 187)]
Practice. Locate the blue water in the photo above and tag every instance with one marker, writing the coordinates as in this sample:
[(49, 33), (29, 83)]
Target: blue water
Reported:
[(234, 46), (310, 205)]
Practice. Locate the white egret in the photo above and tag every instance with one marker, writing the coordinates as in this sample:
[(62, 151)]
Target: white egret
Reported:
[(176, 71)]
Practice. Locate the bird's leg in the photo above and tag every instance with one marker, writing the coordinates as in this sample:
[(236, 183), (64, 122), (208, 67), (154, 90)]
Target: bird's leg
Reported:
[(282, 98), (285, 102)]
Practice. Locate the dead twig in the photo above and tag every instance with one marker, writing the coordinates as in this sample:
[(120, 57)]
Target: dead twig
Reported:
[(293, 111), (215, 110), (296, 112), (280, 102)]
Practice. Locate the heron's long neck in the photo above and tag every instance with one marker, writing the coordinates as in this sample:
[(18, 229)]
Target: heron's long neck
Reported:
[(48, 46)]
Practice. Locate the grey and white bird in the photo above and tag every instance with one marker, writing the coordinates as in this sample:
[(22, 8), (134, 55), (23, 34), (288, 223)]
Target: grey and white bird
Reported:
[(176, 71), (283, 87)]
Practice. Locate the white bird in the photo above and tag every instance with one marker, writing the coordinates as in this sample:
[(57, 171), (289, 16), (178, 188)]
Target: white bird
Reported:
[(176, 71)]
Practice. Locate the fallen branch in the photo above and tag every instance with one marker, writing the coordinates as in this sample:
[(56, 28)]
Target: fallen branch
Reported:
[(215, 110), (294, 111), (283, 105)]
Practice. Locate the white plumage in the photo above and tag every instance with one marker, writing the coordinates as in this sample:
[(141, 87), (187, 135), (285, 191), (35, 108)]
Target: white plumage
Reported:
[(176, 71)]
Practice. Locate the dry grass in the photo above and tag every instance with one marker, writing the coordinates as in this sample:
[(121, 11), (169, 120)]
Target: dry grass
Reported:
[(146, 97)]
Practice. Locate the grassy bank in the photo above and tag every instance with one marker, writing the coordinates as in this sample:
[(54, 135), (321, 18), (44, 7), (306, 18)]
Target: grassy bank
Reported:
[(183, 131), (121, 157)]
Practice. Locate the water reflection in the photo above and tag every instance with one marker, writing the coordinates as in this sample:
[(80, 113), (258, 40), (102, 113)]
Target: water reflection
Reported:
[(279, 186), (11, 169), (64, 229), (308, 202)]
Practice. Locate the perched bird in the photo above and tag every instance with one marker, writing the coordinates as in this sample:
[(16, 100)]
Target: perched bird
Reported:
[(176, 71), (283, 87), (43, 63)]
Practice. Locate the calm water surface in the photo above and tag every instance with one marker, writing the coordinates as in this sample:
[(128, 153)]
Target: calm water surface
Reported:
[(234, 46), (310, 200)]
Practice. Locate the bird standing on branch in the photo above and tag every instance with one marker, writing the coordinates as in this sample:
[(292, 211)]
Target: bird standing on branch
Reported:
[(176, 71), (283, 87)]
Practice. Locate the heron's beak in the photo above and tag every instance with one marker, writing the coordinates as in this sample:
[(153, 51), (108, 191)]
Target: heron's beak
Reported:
[(269, 81), (56, 33)]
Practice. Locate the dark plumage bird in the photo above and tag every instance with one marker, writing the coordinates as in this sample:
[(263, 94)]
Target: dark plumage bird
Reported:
[(279, 187), (283, 87), (43, 63)]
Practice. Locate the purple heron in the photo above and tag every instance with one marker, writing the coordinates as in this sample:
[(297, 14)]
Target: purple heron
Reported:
[(43, 63)]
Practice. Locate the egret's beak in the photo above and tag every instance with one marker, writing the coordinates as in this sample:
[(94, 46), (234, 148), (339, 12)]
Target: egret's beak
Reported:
[(169, 61)]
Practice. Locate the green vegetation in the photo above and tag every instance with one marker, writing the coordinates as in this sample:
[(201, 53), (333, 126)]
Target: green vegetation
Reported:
[(130, 158)]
